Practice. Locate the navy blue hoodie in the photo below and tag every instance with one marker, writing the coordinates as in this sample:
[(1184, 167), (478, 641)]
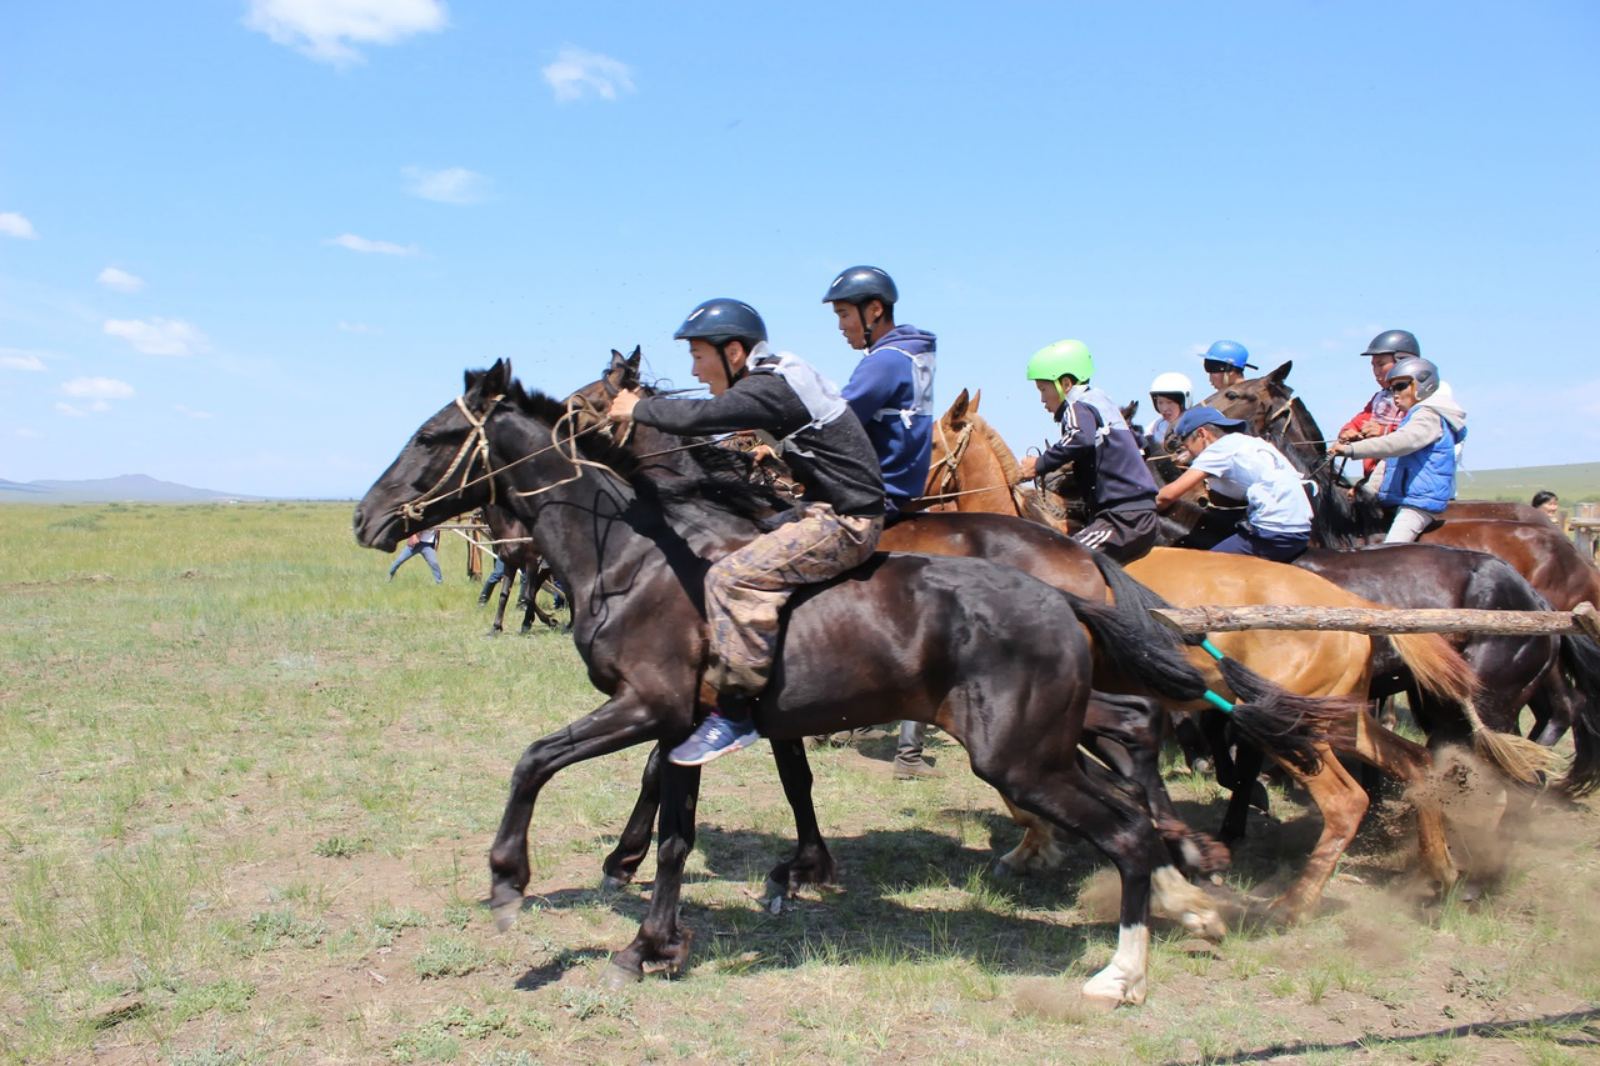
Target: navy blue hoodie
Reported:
[(897, 409)]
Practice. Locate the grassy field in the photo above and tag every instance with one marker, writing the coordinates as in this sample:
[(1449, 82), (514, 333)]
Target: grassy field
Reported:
[(249, 785), (1573, 482)]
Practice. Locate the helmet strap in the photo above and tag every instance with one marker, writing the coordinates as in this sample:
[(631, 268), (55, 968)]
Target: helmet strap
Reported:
[(727, 369), (866, 327)]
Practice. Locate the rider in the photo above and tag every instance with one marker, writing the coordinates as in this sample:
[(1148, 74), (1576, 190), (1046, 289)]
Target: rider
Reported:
[(1277, 524), (1382, 414), (1419, 479), (1225, 363), (891, 392), (1169, 394), (752, 388), (891, 389), (1111, 472)]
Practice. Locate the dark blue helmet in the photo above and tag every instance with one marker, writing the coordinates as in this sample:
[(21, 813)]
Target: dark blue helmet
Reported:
[(1396, 342), (860, 284), (722, 320)]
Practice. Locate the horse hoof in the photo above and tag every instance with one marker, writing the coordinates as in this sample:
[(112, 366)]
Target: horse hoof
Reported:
[(609, 883), (491, 634), (1003, 870), (1203, 766), (505, 914), (619, 976)]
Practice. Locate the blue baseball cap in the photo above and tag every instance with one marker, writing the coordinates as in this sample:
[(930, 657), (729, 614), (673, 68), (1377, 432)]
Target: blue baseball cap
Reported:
[(1195, 417)]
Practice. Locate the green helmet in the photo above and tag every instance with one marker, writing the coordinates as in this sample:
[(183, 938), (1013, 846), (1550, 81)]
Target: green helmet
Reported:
[(1062, 357)]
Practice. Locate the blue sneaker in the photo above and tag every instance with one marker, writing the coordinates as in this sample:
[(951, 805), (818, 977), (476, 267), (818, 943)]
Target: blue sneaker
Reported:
[(712, 739)]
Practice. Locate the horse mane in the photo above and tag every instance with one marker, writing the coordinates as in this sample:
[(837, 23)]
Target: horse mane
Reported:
[(1002, 451), (717, 478)]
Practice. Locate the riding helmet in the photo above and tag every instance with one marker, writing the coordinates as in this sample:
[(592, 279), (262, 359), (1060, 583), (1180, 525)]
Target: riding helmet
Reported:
[(1419, 370), (859, 284), (722, 320), (1172, 383), (1063, 357), (1395, 342), (1231, 352)]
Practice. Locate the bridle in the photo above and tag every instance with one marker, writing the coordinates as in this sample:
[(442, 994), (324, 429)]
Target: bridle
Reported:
[(946, 470), (476, 447)]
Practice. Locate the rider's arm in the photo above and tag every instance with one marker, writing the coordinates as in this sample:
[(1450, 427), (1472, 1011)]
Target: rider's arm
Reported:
[(1080, 426), (758, 401), (872, 385), (1421, 430), (1172, 490)]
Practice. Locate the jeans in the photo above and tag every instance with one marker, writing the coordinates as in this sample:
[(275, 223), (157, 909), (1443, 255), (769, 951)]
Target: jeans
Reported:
[(428, 555), (1278, 547)]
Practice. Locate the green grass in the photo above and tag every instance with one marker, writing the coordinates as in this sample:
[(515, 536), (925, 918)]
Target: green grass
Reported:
[(1573, 482), (249, 785)]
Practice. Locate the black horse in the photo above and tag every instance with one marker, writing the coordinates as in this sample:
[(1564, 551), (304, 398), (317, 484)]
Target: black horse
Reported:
[(999, 660)]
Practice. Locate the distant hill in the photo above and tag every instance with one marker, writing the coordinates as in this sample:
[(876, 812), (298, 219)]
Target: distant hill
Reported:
[(1573, 482), (129, 488)]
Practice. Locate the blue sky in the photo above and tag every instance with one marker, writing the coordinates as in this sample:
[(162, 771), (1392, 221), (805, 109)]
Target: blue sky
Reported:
[(250, 245)]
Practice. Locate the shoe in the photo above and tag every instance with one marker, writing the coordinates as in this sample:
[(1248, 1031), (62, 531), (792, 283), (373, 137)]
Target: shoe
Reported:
[(712, 739), (919, 770)]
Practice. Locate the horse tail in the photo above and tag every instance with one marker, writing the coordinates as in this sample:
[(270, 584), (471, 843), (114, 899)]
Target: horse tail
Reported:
[(1441, 671), (1289, 726), (1580, 658)]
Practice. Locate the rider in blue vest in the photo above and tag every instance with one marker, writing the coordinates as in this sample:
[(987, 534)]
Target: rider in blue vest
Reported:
[(1419, 478), (891, 390)]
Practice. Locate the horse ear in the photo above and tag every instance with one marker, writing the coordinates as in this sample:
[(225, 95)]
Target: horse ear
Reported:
[(1277, 376), (1129, 411), (958, 410), (977, 398), (495, 381), (633, 360)]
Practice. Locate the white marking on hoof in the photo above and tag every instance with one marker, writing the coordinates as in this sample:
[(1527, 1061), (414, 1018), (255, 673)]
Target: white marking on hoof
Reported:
[(1123, 980), (620, 977), (1174, 898), (505, 915)]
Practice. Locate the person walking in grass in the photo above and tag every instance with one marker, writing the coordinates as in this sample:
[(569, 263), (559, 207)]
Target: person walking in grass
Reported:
[(425, 544)]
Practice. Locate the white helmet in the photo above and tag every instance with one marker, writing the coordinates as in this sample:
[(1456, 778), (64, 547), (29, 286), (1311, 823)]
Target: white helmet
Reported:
[(1172, 383)]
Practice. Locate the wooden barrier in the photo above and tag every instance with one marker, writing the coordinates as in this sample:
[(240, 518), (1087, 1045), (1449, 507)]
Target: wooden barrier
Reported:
[(1192, 620)]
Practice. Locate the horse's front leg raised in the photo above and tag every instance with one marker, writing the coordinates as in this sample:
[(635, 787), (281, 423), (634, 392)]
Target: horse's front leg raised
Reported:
[(620, 722), (633, 845)]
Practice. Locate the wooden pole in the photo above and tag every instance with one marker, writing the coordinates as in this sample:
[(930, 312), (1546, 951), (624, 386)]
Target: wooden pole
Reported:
[(1583, 620)]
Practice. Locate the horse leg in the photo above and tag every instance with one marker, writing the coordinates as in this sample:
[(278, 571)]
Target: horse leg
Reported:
[(811, 864), (662, 945), (1411, 763), (500, 606), (1553, 703), (634, 843), (1246, 781), (620, 722), (1342, 803)]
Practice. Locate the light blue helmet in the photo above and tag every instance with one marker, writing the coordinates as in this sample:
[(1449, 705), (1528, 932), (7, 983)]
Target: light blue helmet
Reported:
[(1231, 352)]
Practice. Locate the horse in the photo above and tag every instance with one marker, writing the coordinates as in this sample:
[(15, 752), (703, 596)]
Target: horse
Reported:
[(517, 551), (997, 659), (1067, 565)]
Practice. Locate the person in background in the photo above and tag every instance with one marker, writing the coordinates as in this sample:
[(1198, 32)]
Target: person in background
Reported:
[(1419, 478), (1381, 414), (891, 392), (425, 544), (1225, 364), (1277, 522), (1548, 502), (1112, 476), (1169, 394)]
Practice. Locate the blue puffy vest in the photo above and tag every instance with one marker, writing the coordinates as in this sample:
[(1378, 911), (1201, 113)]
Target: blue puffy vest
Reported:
[(1426, 478)]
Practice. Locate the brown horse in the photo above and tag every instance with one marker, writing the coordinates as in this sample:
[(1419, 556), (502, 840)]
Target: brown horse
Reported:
[(1320, 664)]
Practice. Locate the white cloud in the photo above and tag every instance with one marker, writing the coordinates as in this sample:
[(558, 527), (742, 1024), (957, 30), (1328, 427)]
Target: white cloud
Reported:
[(97, 389), (18, 359), (14, 225), (452, 185), (357, 327), (371, 247), (577, 73), (190, 412), (328, 30), (159, 336), (70, 411), (120, 280)]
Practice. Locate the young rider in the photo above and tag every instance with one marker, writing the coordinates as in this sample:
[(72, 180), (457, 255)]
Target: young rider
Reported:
[(891, 392), (1381, 414), (1419, 478), (754, 389), (891, 389), (1169, 394), (1277, 522), (1225, 363), (1111, 472)]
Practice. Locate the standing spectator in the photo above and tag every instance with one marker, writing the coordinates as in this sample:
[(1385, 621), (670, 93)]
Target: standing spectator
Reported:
[(1548, 502), (425, 544)]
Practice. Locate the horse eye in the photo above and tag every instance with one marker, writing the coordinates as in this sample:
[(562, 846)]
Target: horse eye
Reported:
[(1230, 395)]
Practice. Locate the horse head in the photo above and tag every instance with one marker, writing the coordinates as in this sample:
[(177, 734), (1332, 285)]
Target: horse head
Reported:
[(442, 471), (1262, 402)]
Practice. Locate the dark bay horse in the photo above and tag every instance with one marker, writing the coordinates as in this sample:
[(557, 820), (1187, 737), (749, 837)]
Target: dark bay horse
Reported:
[(514, 546), (1306, 658), (998, 660)]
